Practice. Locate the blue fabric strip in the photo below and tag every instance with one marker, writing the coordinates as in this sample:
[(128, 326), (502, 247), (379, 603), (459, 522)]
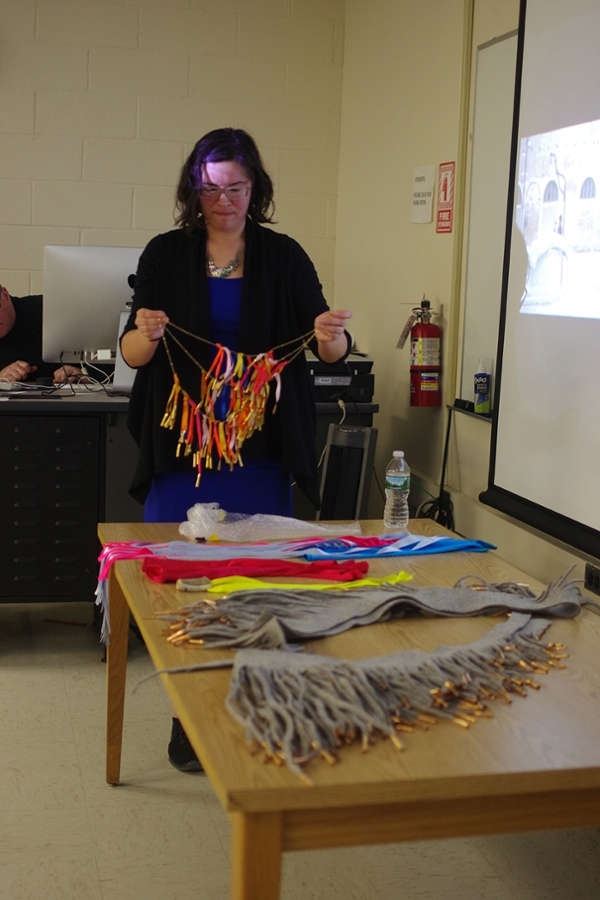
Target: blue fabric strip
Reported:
[(322, 548), (414, 547)]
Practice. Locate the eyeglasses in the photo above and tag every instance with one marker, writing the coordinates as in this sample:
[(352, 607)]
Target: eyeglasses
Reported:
[(213, 191)]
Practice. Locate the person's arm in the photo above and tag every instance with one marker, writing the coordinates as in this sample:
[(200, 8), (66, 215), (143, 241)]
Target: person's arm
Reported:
[(146, 324), (332, 338), (138, 346)]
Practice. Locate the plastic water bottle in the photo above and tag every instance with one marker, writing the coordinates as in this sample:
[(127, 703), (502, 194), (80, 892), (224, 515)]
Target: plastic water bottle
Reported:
[(397, 489)]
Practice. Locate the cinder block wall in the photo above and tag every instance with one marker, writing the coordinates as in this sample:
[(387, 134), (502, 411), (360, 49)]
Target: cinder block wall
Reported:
[(102, 100)]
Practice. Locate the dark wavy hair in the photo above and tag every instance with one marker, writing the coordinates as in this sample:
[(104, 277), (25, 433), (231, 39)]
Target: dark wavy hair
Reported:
[(223, 145)]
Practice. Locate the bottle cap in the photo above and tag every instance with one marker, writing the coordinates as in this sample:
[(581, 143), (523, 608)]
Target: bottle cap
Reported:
[(398, 453), (481, 366)]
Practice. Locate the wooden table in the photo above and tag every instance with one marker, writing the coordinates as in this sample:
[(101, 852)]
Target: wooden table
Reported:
[(535, 765)]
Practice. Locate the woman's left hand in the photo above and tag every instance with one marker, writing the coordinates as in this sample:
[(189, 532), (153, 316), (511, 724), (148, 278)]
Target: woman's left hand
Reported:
[(330, 325)]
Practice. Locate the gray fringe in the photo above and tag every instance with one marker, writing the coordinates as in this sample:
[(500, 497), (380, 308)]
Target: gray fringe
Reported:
[(299, 707), (280, 619)]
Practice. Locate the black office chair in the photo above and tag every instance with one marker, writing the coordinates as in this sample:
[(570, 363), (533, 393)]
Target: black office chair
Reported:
[(347, 467)]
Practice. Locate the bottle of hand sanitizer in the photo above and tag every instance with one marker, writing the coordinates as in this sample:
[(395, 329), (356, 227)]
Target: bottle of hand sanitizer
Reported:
[(483, 403)]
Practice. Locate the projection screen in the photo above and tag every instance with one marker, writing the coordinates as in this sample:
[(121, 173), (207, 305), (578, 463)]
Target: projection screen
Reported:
[(545, 458)]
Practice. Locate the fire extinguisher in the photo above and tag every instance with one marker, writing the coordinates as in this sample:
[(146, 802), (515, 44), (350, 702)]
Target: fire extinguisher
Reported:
[(425, 356)]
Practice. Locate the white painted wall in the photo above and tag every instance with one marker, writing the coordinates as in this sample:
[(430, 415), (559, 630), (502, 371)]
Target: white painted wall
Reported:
[(100, 103), (404, 77), (401, 105)]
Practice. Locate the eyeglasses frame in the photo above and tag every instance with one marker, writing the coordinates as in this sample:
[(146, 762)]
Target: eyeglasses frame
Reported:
[(219, 191)]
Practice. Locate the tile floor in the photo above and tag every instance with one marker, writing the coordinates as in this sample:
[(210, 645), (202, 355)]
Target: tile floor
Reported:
[(66, 835)]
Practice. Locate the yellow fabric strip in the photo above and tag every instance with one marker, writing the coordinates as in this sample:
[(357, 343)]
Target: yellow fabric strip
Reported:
[(230, 583)]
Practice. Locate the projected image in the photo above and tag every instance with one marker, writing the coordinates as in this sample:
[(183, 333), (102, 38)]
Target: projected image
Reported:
[(557, 212)]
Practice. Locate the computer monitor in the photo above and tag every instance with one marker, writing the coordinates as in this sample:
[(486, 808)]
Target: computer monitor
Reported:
[(85, 291), (124, 375)]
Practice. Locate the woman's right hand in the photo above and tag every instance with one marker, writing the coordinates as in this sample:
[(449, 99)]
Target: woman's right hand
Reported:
[(138, 346), (151, 323)]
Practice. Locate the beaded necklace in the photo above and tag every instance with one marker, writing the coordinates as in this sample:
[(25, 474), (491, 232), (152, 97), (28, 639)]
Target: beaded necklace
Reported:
[(223, 271)]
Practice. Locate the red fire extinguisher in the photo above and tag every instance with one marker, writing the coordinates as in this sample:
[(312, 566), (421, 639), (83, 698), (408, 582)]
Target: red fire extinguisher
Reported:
[(425, 358)]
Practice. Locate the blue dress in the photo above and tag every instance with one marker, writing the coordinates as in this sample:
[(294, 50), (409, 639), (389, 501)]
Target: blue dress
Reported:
[(260, 485)]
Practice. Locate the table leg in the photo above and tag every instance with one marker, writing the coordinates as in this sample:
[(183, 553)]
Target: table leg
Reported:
[(116, 669), (256, 856)]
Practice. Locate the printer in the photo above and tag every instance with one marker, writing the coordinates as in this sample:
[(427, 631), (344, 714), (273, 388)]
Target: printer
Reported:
[(350, 380)]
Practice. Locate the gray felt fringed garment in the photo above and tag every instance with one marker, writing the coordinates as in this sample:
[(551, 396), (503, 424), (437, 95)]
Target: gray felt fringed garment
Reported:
[(299, 707), (279, 619)]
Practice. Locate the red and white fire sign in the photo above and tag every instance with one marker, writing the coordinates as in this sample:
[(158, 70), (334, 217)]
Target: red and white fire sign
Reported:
[(445, 198)]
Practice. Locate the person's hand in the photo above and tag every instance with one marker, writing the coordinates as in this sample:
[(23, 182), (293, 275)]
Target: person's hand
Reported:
[(330, 325), (151, 323), (68, 374), (17, 371), (139, 345)]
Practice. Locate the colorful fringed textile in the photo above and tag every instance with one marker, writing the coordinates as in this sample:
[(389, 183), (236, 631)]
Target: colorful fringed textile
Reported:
[(239, 383), (281, 619)]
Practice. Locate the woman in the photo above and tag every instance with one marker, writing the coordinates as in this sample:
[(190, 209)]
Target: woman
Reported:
[(224, 278)]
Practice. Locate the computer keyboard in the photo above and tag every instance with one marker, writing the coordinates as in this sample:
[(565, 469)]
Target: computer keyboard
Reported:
[(80, 388), (19, 386)]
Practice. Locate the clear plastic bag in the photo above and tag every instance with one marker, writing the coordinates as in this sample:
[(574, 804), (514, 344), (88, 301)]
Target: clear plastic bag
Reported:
[(209, 522)]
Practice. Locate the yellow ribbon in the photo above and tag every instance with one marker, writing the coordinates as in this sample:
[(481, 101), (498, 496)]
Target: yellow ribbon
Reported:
[(230, 583)]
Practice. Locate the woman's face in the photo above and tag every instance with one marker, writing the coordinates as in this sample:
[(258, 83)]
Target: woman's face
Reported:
[(223, 213)]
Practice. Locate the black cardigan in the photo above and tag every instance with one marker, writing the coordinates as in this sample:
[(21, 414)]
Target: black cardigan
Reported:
[(281, 297)]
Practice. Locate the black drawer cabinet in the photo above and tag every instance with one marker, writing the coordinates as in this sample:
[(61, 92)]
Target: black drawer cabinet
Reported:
[(50, 500), (66, 464)]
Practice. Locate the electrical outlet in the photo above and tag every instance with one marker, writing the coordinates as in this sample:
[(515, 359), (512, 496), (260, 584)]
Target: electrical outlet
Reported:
[(592, 578)]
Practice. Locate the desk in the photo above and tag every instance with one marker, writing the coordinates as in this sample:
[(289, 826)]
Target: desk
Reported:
[(535, 765)]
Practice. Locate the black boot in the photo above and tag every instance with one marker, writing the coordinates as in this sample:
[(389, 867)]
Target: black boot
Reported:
[(180, 751)]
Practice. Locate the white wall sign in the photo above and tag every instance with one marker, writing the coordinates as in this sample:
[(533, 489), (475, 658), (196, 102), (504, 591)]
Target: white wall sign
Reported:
[(422, 198)]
